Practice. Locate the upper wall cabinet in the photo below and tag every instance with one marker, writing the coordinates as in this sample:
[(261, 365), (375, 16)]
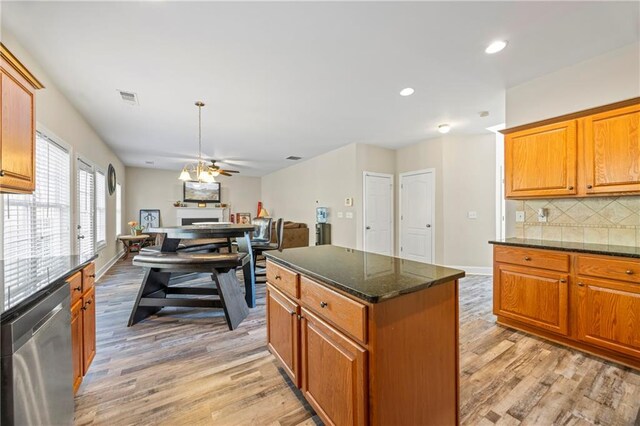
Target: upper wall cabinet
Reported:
[(590, 153), (542, 161), (17, 118), (612, 151)]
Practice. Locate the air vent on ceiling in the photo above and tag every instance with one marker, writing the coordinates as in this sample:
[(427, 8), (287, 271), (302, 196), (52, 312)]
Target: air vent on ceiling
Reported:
[(129, 97), (293, 157), (151, 163)]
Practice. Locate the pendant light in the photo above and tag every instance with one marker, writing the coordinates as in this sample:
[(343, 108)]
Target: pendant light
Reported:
[(200, 169)]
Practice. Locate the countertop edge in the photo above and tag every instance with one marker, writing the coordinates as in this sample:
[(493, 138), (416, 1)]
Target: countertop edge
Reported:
[(357, 294), (34, 298), (543, 246)]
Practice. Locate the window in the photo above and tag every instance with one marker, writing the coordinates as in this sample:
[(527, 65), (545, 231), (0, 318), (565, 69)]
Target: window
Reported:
[(101, 210), (85, 191), (118, 209), (38, 225)]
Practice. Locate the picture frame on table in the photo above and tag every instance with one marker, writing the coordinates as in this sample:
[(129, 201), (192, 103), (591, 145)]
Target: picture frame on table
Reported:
[(243, 218), (150, 218)]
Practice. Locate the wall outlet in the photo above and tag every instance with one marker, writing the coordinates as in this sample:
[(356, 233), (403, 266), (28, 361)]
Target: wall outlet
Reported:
[(349, 215), (340, 215), (520, 216), (348, 202), (472, 215)]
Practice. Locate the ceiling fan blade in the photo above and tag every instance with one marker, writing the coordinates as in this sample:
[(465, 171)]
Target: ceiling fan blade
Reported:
[(230, 171), (223, 173)]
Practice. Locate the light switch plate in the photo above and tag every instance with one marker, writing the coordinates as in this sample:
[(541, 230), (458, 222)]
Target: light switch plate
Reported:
[(340, 215), (348, 202), (520, 216), (472, 215), (349, 215)]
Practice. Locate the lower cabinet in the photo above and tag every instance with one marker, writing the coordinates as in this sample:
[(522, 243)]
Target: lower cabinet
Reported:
[(532, 296), (609, 315), (333, 373), (83, 322), (282, 331)]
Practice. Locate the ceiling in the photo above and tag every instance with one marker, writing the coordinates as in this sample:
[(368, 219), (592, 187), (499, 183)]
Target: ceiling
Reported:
[(302, 78)]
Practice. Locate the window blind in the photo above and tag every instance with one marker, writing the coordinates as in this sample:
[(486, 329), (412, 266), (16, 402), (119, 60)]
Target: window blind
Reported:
[(38, 225), (85, 191), (101, 209), (118, 209)]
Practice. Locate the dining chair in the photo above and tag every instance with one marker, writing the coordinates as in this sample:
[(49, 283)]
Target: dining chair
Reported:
[(262, 234), (259, 248)]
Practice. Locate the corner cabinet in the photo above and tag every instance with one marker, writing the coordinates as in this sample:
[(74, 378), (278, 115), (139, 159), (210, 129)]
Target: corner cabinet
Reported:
[(589, 302), (83, 322), (17, 132), (360, 363), (590, 153)]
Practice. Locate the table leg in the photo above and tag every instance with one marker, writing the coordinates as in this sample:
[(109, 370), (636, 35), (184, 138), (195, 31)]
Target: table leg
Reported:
[(126, 250), (154, 285), (244, 246)]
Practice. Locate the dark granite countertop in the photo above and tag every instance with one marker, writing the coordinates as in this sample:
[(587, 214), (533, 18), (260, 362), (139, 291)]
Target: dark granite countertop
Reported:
[(604, 249), (23, 281), (367, 276)]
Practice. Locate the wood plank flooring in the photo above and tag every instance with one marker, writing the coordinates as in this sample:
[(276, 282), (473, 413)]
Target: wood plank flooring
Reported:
[(184, 367)]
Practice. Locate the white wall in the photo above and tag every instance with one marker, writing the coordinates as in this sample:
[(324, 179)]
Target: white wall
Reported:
[(63, 122), (159, 189), (323, 181)]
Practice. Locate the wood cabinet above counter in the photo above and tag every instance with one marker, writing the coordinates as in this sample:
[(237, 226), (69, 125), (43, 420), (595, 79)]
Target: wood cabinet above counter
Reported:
[(594, 152), (17, 125)]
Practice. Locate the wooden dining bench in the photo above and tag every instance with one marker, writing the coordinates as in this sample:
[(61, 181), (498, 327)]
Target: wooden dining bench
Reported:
[(155, 286)]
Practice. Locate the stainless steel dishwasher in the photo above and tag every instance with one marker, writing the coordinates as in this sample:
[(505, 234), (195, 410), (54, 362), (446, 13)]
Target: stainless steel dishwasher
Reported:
[(36, 365)]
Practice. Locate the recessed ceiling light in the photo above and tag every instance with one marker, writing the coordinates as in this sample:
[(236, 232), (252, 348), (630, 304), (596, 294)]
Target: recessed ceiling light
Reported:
[(496, 46), (293, 157), (407, 91), (444, 128)]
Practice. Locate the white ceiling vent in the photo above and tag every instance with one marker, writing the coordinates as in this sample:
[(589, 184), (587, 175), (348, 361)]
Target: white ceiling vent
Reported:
[(129, 97)]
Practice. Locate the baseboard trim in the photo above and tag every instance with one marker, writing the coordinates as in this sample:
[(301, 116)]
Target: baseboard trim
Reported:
[(108, 265), (474, 270)]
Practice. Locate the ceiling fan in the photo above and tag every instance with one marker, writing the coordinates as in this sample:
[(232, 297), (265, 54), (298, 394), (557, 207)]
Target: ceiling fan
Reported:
[(217, 170)]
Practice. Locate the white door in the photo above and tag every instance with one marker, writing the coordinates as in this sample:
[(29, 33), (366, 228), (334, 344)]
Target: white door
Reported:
[(378, 213), (416, 215)]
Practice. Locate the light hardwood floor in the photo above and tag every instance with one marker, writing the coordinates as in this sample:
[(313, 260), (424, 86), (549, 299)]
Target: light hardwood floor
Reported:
[(183, 367)]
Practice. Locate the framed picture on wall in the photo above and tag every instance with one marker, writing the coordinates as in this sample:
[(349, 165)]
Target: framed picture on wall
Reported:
[(201, 192), (150, 218)]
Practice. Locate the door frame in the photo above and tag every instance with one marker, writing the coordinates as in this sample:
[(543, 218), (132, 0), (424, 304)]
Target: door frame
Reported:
[(364, 208), (433, 207)]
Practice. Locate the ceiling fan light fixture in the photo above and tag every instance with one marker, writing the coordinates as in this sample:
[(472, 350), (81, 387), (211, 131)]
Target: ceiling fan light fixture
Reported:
[(214, 173), (444, 128), (185, 175)]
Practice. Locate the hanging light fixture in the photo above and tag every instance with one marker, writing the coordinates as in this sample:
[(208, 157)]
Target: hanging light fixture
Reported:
[(200, 169)]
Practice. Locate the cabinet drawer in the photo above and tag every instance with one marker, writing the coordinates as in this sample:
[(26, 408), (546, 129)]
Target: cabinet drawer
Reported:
[(345, 313), (535, 258), (614, 269), (75, 282), (88, 277), (283, 279)]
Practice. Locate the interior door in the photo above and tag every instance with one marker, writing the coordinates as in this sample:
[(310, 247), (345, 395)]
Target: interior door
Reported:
[(416, 216), (378, 213)]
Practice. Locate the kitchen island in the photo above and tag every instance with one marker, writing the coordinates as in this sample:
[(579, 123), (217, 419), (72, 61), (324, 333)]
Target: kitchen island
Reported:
[(368, 338)]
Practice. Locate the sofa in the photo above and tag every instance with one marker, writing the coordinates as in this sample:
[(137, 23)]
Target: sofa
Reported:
[(295, 234)]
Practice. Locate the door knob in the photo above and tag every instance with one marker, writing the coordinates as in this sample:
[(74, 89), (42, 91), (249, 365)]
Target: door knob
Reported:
[(81, 237), (428, 225), (367, 228)]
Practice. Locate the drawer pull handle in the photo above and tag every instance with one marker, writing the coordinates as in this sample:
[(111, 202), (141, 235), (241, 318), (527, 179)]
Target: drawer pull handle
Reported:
[(1, 173), (278, 277), (562, 280), (323, 304), (628, 272), (589, 186), (92, 276), (571, 188), (580, 284), (527, 258), (79, 288)]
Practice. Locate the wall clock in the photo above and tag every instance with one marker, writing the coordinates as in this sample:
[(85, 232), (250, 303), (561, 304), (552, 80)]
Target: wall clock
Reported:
[(111, 179)]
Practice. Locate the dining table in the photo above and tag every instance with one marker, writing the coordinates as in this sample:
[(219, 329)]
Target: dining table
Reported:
[(174, 235)]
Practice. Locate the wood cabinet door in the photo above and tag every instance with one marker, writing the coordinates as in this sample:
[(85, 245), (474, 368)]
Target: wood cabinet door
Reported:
[(76, 343), (88, 277), (333, 373), (612, 151), (532, 296), (609, 314), (88, 329), (17, 133), (283, 331), (542, 161)]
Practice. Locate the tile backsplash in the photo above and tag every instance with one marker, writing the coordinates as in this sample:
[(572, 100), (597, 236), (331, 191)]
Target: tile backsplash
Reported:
[(602, 220)]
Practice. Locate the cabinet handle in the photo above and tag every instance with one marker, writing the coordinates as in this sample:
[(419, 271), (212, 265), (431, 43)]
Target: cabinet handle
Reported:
[(628, 272), (562, 280), (323, 304), (92, 276), (589, 186), (527, 258), (570, 188), (580, 284), (277, 277), (300, 317), (1, 173), (79, 288)]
